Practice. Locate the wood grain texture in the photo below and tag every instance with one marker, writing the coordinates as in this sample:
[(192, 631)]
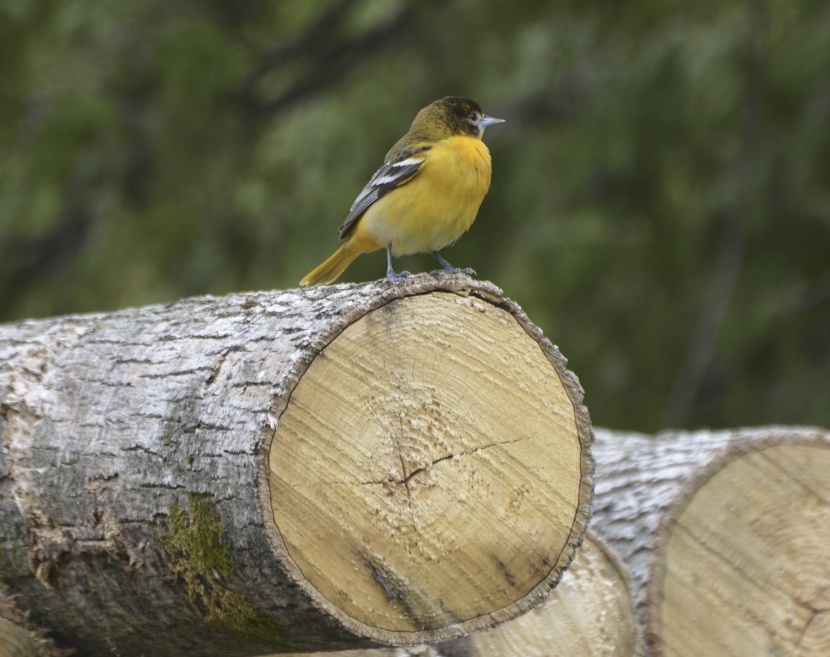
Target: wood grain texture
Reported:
[(589, 614), (136, 513), (726, 534), (428, 470), (15, 641)]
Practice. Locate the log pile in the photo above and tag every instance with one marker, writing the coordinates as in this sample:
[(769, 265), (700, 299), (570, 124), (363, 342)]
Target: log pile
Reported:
[(726, 535), (353, 467), (342, 467), (724, 539)]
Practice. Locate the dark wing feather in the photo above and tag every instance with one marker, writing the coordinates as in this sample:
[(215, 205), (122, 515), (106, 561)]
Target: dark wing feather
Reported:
[(390, 176)]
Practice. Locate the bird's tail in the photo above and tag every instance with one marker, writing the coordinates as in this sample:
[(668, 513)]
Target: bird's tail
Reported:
[(331, 269)]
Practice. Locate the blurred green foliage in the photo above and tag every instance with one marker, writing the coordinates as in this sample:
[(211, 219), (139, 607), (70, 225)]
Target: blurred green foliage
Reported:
[(661, 193)]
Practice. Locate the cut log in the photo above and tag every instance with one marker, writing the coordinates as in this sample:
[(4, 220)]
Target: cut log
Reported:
[(726, 535), (15, 641), (338, 467), (589, 614), (18, 638)]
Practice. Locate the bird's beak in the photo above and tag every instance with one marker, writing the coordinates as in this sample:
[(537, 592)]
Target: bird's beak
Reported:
[(490, 120)]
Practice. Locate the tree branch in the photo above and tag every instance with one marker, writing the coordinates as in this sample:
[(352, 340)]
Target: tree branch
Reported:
[(328, 60)]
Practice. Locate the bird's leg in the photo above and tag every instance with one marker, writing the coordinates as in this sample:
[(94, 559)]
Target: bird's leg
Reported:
[(448, 268), (391, 275)]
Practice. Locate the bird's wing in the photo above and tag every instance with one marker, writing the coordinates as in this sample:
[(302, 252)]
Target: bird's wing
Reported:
[(390, 176)]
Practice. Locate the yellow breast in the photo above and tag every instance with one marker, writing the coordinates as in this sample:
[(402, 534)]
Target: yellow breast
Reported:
[(438, 205)]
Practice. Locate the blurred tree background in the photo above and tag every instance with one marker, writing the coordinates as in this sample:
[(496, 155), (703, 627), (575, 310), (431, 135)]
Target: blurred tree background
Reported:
[(661, 193)]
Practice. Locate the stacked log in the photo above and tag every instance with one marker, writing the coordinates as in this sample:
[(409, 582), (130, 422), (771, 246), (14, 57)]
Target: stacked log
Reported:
[(726, 535), (341, 467), (353, 467)]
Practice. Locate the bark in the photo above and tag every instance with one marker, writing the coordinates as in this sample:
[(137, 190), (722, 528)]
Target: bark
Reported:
[(726, 535), (172, 483)]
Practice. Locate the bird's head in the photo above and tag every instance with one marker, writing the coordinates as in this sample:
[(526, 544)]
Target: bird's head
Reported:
[(453, 116)]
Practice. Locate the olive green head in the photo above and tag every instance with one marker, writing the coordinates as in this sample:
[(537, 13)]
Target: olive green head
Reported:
[(452, 116)]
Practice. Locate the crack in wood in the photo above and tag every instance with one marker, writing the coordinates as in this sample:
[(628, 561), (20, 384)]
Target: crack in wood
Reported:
[(407, 478), (814, 614)]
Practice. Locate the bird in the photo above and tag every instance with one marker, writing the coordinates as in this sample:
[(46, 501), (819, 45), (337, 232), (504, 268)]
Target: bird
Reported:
[(425, 195)]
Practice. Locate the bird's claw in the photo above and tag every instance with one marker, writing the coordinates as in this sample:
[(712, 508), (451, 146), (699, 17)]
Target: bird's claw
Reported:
[(469, 271), (394, 277)]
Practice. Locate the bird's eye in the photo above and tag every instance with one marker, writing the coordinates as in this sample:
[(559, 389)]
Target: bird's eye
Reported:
[(473, 117)]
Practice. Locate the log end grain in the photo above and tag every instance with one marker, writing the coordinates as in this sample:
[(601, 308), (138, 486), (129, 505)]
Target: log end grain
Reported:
[(431, 474), (590, 613), (742, 567)]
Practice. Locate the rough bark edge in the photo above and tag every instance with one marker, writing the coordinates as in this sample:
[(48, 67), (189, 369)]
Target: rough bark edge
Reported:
[(371, 297), (740, 442), (22, 406)]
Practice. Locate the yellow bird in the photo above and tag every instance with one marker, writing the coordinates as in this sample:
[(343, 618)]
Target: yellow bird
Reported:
[(426, 194)]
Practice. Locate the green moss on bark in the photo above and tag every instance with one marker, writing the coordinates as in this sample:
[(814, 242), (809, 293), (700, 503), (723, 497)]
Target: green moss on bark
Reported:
[(201, 562)]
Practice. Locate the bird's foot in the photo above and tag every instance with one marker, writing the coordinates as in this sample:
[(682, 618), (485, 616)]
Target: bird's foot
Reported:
[(447, 267), (453, 270), (394, 277)]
